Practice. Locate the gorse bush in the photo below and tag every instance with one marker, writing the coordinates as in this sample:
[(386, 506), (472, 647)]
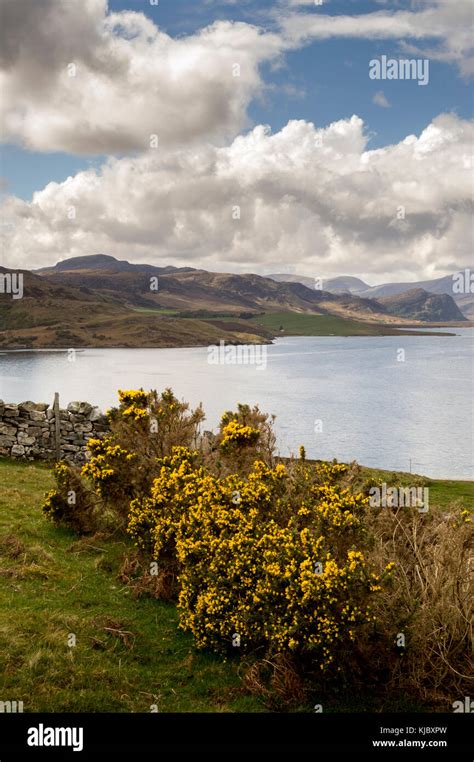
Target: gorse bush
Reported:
[(143, 428), (108, 465), (284, 560), (244, 436), (150, 424), (252, 569)]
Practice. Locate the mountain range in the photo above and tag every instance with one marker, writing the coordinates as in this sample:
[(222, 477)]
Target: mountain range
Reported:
[(98, 300), (356, 286)]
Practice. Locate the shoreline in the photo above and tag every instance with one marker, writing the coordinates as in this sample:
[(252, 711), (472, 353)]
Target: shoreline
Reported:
[(397, 331)]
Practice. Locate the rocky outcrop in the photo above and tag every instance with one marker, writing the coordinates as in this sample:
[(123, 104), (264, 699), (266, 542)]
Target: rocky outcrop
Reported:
[(418, 304), (28, 430)]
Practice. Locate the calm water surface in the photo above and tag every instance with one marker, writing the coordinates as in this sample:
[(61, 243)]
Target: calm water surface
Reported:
[(371, 407)]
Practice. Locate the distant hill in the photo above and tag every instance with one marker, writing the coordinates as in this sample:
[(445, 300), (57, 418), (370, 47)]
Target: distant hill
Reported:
[(187, 289), (465, 302), (105, 262), (56, 314), (344, 283), (101, 301), (420, 305), (437, 286), (466, 305), (347, 283)]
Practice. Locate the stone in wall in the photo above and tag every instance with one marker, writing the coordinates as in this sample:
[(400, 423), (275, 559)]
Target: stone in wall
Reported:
[(27, 430)]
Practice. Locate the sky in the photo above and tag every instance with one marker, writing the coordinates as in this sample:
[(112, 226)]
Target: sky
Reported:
[(239, 136)]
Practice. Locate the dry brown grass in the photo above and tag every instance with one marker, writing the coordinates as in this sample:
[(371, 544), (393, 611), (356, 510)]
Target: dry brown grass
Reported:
[(276, 681), (429, 600), (135, 573), (11, 546)]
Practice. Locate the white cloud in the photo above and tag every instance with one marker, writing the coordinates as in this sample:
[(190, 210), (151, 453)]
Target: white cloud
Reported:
[(380, 99), (313, 3), (448, 22), (313, 199), (131, 80)]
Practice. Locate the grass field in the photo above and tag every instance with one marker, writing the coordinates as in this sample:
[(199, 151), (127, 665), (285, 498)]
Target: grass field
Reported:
[(303, 324), (442, 491), (154, 311), (54, 584), (129, 653)]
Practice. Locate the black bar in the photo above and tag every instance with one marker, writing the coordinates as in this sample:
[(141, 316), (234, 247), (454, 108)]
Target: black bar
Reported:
[(151, 733)]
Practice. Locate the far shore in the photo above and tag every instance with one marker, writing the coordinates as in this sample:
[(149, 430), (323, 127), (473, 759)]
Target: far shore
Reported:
[(358, 331)]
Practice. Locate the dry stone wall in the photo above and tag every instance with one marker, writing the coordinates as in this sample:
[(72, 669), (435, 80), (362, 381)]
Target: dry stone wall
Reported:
[(35, 431)]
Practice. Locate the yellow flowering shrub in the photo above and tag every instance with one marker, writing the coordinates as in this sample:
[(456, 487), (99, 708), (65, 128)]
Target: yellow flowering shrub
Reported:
[(154, 521), (143, 429), (285, 560), (251, 564), (151, 424), (245, 435), (112, 471), (133, 404), (235, 435)]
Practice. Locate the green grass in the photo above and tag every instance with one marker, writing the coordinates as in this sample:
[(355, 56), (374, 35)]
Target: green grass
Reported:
[(53, 584), (154, 311), (303, 324), (442, 491)]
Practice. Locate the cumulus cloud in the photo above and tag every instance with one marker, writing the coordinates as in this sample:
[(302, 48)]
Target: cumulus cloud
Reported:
[(77, 79), (313, 199)]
